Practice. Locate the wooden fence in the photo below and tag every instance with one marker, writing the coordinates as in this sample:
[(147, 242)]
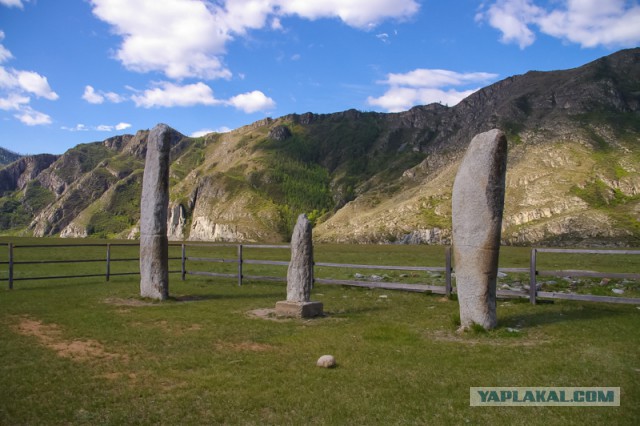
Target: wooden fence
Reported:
[(533, 273), (533, 293)]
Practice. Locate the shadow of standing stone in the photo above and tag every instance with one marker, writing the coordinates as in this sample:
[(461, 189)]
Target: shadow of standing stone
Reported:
[(154, 244), (477, 205), (300, 275)]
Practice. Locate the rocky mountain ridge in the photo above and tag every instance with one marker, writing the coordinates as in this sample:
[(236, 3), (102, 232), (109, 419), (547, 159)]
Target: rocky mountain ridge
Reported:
[(573, 170), (7, 157)]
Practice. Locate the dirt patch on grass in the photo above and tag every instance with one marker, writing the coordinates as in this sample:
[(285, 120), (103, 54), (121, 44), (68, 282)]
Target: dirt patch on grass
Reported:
[(117, 301), (118, 375), (488, 339), (243, 347), (139, 302), (50, 335), (267, 314), (270, 315), (172, 328)]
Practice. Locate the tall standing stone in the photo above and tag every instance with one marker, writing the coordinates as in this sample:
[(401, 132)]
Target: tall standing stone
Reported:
[(477, 206), (300, 274), (154, 245)]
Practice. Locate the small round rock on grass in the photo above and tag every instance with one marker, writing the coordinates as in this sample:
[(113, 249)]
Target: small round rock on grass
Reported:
[(326, 361)]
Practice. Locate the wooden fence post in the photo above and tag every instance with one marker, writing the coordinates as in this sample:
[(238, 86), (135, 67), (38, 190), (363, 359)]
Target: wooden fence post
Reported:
[(108, 261), (239, 265), (532, 277), (184, 262), (10, 266), (447, 272)]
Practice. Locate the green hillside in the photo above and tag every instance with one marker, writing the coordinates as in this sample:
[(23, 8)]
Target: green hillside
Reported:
[(363, 177)]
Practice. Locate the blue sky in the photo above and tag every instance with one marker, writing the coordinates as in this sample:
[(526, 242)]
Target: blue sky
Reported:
[(77, 71)]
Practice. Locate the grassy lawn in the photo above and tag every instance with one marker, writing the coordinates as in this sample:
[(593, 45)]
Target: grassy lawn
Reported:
[(83, 351)]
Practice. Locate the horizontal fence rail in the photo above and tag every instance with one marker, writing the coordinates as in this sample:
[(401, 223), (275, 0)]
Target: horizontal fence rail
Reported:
[(108, 260), (240, 260), (534, 293)]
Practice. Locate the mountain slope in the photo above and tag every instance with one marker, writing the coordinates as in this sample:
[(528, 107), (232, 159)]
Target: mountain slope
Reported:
[(573, 170), (7, 157)]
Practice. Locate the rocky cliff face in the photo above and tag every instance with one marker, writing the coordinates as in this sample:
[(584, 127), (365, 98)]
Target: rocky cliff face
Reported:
[(573, 170), (16, 175)]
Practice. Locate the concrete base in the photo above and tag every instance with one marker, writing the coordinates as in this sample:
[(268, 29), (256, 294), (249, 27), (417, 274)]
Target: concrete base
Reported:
[(299, 309)]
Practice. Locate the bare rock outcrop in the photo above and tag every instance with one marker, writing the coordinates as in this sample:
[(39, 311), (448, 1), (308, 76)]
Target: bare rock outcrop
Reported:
[(16, 175)]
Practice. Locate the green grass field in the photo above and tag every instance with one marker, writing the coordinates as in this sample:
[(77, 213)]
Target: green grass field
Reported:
[(84, 351)]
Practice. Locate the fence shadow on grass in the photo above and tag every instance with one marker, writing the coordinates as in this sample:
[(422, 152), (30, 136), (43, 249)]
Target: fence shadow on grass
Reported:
[(574, 313), (201, 297)]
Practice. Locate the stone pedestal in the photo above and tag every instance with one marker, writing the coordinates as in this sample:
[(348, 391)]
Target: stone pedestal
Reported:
[(300, 275), (299, 309)]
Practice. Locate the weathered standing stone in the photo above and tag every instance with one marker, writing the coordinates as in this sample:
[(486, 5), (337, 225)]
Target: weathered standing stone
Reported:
[(154, 245), (300, 274), (477, 205)]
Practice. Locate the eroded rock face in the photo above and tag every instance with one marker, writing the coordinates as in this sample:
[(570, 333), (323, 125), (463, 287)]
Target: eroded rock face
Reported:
[(280, 133), (177, 220), (204, 229), (154, 245), (74, 231), (16, 175), (477, 206)]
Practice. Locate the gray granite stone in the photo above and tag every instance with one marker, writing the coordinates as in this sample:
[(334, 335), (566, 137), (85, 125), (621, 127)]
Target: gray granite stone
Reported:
[(300, 272), (154, 245), (477, 206)]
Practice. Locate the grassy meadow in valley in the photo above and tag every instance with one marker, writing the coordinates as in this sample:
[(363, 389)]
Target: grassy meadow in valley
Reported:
[(87, 351)]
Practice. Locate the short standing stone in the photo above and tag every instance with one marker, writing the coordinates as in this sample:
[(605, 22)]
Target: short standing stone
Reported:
[(477, 206), (154, 257), (300, 275), (326, 361)]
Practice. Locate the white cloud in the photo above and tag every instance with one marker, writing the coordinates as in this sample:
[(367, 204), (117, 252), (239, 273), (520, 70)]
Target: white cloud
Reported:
[(512, 18), (355, 13), (31, 117), (5, 55), (203, 132), (91, 96), (76, 128), (18, 86), (168, 94), (589, 23), (97, 97), (123, 126), (33, 82), (425, 86), (113, 97), (276, 24), (383, 37), (12, 3), (13, 101), (252, 102), (398, 99), (181, 38), (98, 128), (200, 133), (187, 38), (436, 78)]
